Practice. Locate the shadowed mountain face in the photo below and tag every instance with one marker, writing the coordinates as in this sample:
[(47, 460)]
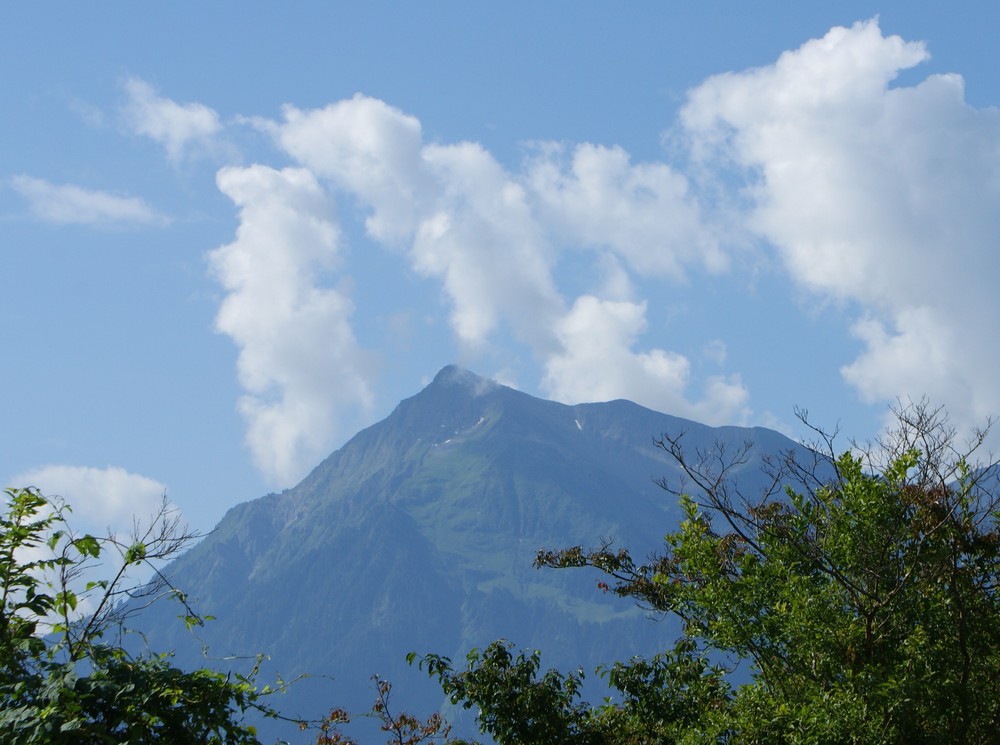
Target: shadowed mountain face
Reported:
[(419, 535)]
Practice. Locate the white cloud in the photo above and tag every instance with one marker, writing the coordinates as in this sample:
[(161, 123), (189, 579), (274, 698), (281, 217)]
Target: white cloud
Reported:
[(174, 126), (921, 355), (299, 360), (644, 212), (481, 239), (101, 498), (368, 148), (599, 364), (104, 502), (464, 220), (882, 196), (494, 240), (69, 204)]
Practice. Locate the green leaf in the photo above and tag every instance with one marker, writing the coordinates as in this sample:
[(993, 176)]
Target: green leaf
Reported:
[(135, 553), (88, 546)]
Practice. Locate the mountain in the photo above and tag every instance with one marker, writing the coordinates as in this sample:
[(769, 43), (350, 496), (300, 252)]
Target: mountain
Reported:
[(419, 535)]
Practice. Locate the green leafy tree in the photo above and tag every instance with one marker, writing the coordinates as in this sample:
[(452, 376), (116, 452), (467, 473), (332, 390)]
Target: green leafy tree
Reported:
[(515, 704), (858, 595), (64, 675), (658, 700)]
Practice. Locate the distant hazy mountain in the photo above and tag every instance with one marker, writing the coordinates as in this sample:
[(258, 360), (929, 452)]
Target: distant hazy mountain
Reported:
[(419, 535)]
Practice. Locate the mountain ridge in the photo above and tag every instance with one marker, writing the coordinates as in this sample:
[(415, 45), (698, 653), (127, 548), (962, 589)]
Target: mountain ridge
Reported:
[(419, 535)]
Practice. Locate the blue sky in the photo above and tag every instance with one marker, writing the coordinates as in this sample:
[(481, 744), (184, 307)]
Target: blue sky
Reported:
[(231, 240)]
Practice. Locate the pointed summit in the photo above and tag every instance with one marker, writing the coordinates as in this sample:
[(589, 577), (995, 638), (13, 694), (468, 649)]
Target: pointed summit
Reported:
[(460, 387), (453, 375), (455, 386)]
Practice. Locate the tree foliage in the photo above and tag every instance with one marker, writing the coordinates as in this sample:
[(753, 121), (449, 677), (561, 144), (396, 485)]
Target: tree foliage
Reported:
[(400, 729), (64, 675), (515, 705), (856, 599), (657, 700)]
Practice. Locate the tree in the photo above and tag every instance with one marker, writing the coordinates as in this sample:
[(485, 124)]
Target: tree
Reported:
[(65, 676), (515, 705), (858, 596), (401, 729), (658, 699)]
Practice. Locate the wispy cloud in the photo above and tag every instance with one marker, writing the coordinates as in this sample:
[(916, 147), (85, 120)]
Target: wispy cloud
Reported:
[(177, 127), (70, 204)]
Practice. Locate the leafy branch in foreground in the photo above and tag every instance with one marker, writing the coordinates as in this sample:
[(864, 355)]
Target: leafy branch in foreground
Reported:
[(64, 674)]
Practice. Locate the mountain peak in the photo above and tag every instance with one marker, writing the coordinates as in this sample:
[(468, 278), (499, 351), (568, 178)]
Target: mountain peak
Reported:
[(454, 376)]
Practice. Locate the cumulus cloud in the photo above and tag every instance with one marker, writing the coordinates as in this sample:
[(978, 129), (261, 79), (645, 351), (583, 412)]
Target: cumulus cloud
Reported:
[(368, 148), (876, 195), (599, 364), (68, 204), (464, 220), (173, 125), (101, 498), (494, 239), (880, 195), (921, 352), (104, 502), (299, 360), (480, 238), (644, 212)]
